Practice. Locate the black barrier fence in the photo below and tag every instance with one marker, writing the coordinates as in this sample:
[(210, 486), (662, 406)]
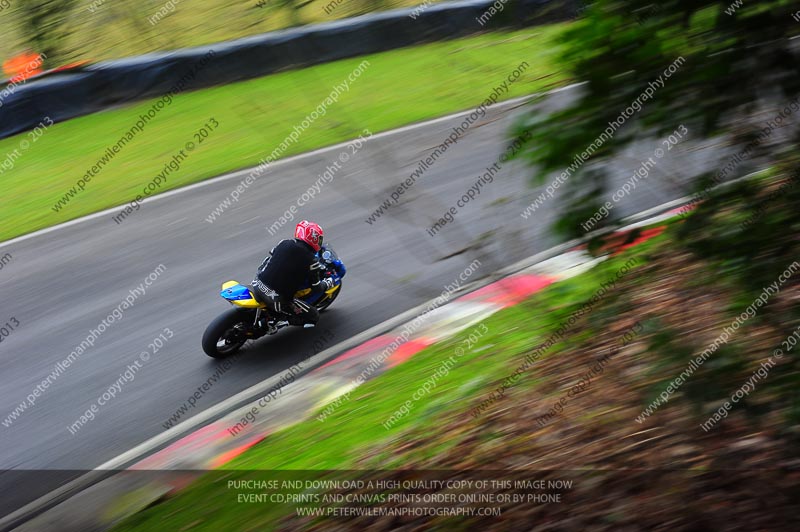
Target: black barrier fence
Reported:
[(103, 85)]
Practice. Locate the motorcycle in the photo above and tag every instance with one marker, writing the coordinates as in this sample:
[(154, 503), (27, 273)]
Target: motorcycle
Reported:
[(249, 319)]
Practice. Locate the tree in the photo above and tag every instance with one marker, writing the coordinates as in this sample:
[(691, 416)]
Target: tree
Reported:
[(734, 65), (294, 7), (738, 69), (739, 75), (43, 24)]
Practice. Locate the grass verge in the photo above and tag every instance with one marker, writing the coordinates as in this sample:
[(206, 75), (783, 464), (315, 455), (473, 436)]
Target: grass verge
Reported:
[(397, 88)]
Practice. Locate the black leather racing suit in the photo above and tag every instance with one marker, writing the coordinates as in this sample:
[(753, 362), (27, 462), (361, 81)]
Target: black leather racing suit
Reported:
[(283, 273)]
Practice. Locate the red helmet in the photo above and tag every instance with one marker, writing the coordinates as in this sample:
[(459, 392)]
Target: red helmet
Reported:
[(310, 233)]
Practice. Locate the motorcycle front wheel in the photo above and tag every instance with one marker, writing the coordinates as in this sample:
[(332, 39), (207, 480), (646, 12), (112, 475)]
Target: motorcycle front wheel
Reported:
[(325, 303), (226, 334)]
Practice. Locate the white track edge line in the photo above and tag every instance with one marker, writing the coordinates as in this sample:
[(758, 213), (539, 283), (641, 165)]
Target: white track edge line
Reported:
[(239, 173)]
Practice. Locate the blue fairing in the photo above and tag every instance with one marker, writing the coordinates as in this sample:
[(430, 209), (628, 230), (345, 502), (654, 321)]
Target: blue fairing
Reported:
[(313, 297), (340, 269), (237, 293), (338, 272)]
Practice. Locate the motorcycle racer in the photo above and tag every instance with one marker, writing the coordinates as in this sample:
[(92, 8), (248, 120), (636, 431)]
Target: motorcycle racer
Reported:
[(285, 270)]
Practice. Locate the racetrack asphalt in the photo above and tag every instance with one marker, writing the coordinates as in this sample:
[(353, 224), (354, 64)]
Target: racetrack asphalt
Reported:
[(62, 283)]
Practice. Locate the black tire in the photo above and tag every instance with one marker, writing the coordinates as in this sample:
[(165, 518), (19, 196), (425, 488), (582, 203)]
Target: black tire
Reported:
[(327, 303), (221, 331)]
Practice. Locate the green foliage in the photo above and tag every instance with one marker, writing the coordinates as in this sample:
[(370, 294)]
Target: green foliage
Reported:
[(294, 7), (740, 69), (753, 254), (735, 64), (43, 23), (95, 30)]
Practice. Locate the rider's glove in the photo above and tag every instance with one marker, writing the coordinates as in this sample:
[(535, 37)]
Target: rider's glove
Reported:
[(323, 285)]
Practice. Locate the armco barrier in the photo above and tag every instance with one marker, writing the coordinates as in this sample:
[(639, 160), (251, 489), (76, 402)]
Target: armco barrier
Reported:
[(66, 95)]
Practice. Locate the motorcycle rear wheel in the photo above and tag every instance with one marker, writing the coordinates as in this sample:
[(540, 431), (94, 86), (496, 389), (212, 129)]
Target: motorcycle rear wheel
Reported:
[(222, 337)]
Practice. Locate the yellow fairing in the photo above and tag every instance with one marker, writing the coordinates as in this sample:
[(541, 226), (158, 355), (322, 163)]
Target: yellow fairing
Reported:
[(332, 290), (303, 293), (248, 303)]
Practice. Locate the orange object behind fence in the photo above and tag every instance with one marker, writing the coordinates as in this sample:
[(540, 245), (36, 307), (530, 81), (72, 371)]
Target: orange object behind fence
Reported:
[(23, 66)]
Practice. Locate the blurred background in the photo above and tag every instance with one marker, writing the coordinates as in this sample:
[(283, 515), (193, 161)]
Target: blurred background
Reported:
[(659, 158), (76, 30)]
